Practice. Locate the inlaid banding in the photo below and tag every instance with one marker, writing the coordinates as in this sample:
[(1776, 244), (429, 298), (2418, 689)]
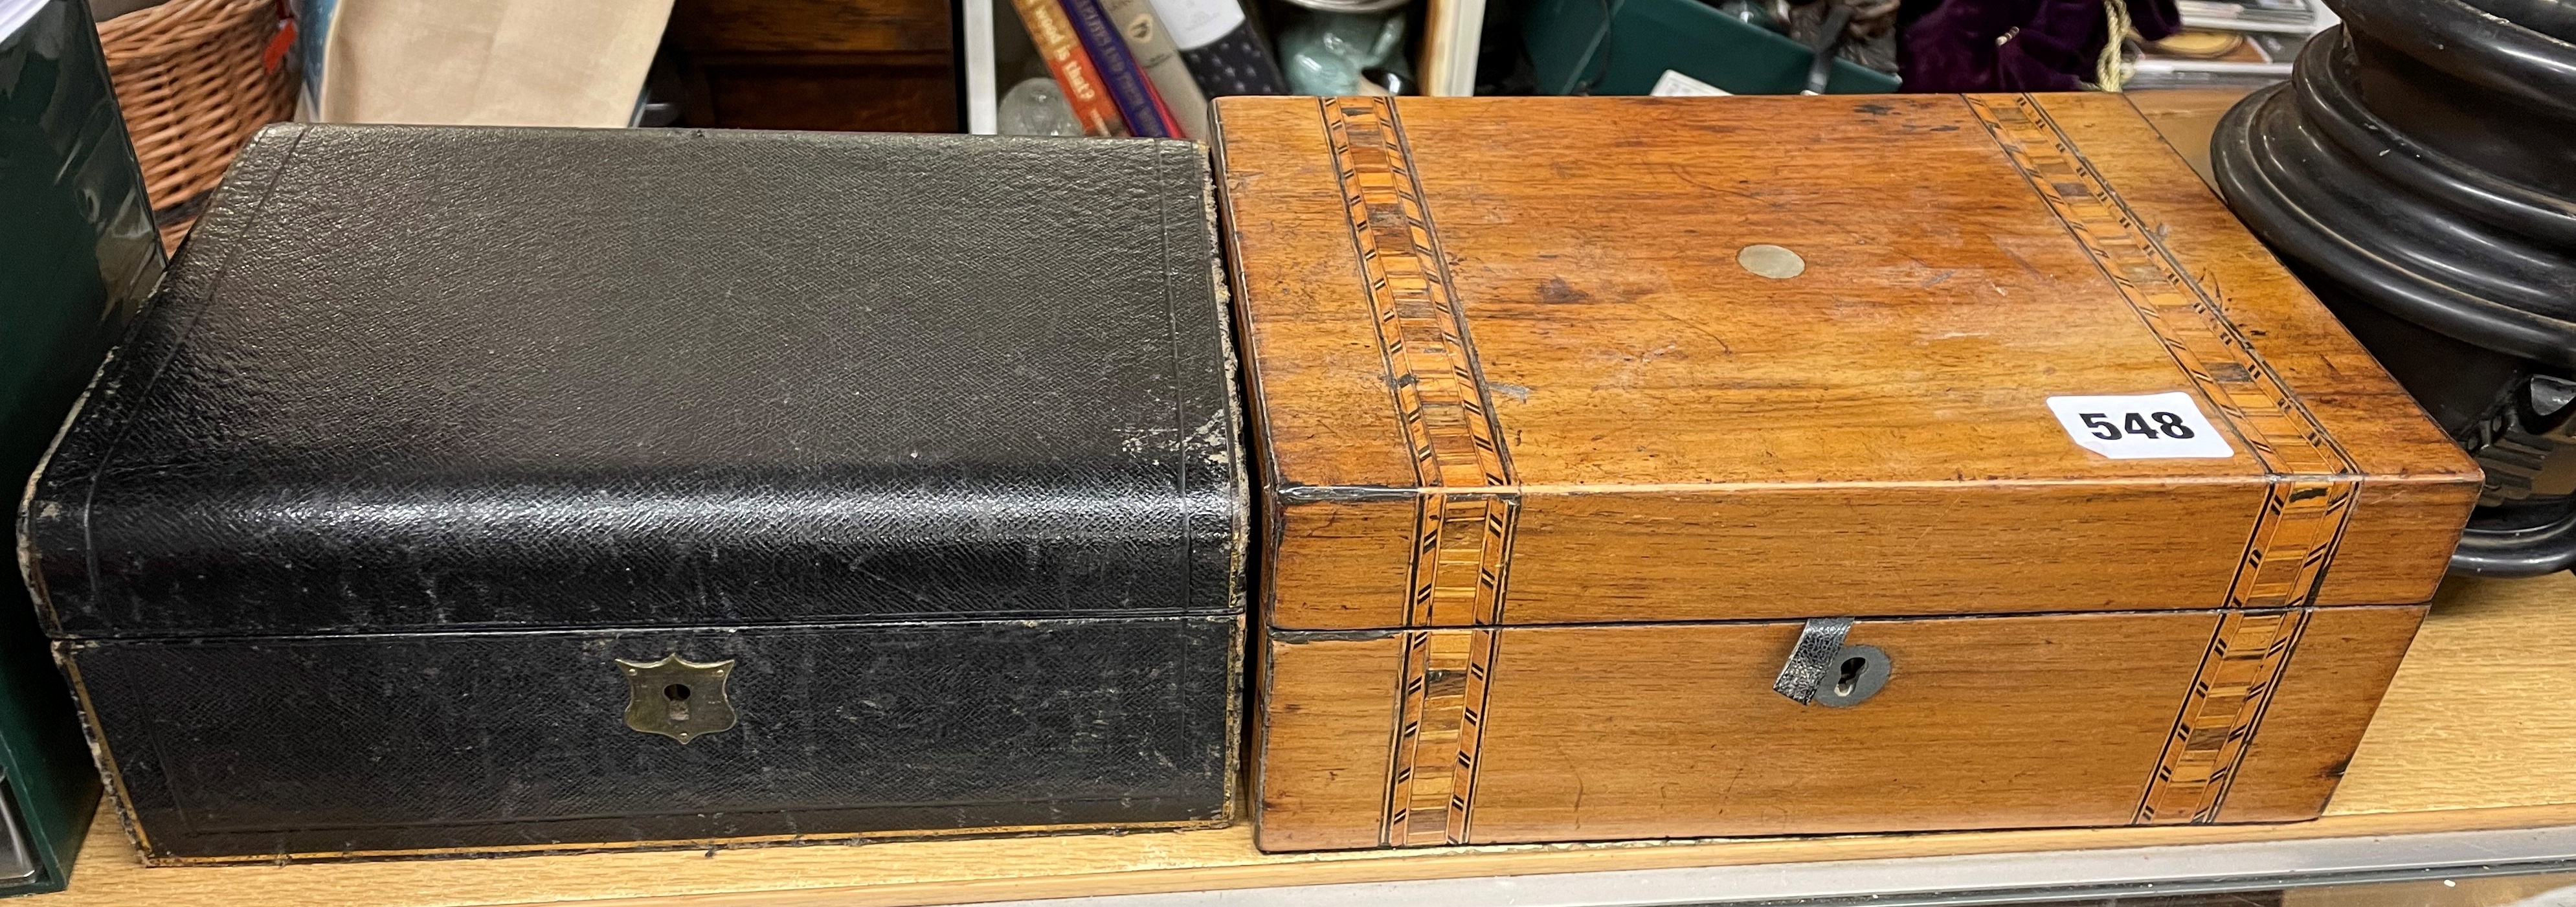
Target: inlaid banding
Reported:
[(2246, 658), (2313, 480), (1468, 506)]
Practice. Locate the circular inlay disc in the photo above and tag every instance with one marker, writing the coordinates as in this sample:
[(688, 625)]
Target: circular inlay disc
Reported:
[(1771, 261)]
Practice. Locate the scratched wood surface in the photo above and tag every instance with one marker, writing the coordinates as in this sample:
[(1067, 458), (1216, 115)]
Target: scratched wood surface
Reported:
[(2474, 733), (1447, 302), (1597, 733)]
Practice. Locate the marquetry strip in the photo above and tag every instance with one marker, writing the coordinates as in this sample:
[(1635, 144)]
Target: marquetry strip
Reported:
[(1464, 541), (2294, 538), (1458, 579), (1468, 507), (2220, 715), (1463, 531), (1440, 399), (1438, 730), (2313, 478)]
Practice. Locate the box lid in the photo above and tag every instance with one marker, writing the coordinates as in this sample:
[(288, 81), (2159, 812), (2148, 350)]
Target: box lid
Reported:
[(1616, 359), (406, 378)]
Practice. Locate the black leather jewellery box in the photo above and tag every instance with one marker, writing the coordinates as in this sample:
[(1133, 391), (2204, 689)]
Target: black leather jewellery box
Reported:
[(471, 490)]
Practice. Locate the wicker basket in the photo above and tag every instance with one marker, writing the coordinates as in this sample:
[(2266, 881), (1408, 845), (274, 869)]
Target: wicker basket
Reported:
[(195, 79)]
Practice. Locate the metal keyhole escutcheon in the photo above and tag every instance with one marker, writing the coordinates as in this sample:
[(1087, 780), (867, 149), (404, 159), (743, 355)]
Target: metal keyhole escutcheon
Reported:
[(677, 698), (1821, 670), (1856, 673)]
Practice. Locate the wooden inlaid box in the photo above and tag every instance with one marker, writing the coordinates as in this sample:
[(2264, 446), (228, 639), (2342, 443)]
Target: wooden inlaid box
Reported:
[(1659, 467)]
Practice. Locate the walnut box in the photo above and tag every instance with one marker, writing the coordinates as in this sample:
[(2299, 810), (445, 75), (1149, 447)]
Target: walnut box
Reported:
[(1665, 467)]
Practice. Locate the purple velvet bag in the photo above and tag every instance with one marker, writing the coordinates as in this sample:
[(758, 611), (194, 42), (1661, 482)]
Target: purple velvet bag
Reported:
[(2017, 45)]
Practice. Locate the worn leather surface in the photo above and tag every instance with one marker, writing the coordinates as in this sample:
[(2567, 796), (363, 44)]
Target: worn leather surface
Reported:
[(409, 378), (318, 745), (430, 426)]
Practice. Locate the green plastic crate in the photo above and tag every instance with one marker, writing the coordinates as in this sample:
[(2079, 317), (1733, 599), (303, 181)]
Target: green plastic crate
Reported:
[(78, 255), (1568, 45)]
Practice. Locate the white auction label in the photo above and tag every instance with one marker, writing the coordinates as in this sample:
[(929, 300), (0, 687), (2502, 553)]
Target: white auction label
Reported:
[(2140, 427), (1194, 24), (1672, 84)]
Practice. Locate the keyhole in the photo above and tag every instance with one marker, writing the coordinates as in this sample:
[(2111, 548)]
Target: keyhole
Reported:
[(678, 695), (1852, 676), (1849, 679)]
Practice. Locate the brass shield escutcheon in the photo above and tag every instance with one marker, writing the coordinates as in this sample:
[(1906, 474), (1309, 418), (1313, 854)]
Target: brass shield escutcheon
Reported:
[(677, 698)]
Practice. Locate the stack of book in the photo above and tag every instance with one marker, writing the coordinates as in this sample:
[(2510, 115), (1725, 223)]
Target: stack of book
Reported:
[(2231, 43), (1147, 67)]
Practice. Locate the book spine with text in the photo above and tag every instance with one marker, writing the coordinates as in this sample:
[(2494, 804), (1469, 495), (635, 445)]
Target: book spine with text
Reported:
[(1161, 60), (1135, 95), (1053, 34)]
